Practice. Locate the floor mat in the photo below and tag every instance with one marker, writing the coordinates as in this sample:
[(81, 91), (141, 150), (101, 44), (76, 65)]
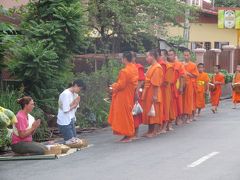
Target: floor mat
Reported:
[(12, 157)]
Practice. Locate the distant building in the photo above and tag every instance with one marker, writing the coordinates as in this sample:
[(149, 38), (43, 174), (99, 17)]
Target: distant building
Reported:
[(204, 32)]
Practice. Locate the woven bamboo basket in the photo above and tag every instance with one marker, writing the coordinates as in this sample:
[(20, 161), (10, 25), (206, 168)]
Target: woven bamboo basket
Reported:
[(81, 144), (64, 148), (53, 149)]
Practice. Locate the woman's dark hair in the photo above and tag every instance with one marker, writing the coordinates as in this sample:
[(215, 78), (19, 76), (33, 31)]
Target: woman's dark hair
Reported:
[(153, 53), (128, 56), (24, 101), (79, 83)]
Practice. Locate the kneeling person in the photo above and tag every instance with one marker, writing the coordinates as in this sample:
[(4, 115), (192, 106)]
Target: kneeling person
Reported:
[(68, 104)]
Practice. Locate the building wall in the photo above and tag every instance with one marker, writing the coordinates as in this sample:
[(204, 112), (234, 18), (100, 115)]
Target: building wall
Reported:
[(206, 33)]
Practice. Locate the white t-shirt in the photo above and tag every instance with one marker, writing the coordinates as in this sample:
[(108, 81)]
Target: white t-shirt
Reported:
[(65, 116)]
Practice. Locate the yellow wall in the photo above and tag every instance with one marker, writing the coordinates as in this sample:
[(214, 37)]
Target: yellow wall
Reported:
[(207, 33)]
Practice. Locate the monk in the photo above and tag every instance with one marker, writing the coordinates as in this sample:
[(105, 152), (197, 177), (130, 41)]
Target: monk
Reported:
[(218, 80), (162, 60), (236, 94), (177, 88), (120, 116), (202, 88), (152, 95), (188, 94), (138, 93)]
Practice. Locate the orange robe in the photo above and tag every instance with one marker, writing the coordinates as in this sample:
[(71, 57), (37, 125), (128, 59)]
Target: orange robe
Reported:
[(179, 71), (216, 94), (120, 116), (163, 88), (153, 78), (236, 95), (141, 77), (168, 99), (202, 80), (188, 95)]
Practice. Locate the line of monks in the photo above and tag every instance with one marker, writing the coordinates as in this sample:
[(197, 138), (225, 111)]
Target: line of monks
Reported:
[(169, 92)]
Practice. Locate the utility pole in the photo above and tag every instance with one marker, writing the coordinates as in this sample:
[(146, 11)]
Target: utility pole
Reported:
[(186, 31)]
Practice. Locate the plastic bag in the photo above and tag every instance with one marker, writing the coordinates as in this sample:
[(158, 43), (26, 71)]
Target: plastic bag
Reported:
[(137, 109), (152, 112)]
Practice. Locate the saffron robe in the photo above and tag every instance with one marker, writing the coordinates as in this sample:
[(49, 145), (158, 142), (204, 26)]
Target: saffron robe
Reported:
[(120, 116)]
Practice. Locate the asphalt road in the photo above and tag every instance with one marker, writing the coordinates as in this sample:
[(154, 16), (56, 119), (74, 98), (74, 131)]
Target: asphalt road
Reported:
[(208, 149)]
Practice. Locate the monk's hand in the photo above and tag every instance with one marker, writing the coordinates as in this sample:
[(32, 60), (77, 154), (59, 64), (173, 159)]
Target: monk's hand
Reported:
[(154, 99)]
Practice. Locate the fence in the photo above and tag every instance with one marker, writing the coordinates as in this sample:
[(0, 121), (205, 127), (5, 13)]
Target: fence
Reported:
[(224, 60)]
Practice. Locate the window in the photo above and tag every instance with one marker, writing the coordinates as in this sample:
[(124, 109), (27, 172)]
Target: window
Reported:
[(207, 45), (219, 45)]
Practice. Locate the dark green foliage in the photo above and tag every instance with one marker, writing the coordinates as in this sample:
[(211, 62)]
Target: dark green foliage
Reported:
[(228, 77), (93, 109), (227, 3), (42, 58), (125, 20), (5, 139)]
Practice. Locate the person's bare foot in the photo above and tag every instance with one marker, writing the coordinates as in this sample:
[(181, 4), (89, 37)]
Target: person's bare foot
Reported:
[(150, 135), (213, 110), (122, 139), (170, 128), (179, 122), (188, 121), (135, 138), (126, 140)]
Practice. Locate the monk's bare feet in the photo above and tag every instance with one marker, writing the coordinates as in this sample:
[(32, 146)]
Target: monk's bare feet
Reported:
[(188, 121), (213, 110), (149, 135), (179, 122), (122, 139), (126, 140), (170, 129), (135, 138), (163, 131)]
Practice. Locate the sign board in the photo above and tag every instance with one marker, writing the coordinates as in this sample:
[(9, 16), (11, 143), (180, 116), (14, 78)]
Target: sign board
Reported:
[(229, 18)]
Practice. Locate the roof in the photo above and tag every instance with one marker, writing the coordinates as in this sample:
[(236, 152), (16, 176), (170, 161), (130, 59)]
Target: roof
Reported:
[(208, 8)]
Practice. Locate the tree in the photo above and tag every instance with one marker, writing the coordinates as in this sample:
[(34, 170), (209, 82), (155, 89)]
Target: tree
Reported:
[(227, 3), (51, 31), (123, 20)]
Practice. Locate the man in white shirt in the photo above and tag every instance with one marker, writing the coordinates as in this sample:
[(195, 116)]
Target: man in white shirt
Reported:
[(68, 104)]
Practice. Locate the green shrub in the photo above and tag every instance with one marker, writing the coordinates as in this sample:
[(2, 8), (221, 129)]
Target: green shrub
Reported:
[(42, 133), (8, 99), (5, 139), (93, 110), (228, 77)]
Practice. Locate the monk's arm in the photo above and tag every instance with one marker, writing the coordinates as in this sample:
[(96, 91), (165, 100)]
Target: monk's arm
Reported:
[(121, 83), (181, 84)]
